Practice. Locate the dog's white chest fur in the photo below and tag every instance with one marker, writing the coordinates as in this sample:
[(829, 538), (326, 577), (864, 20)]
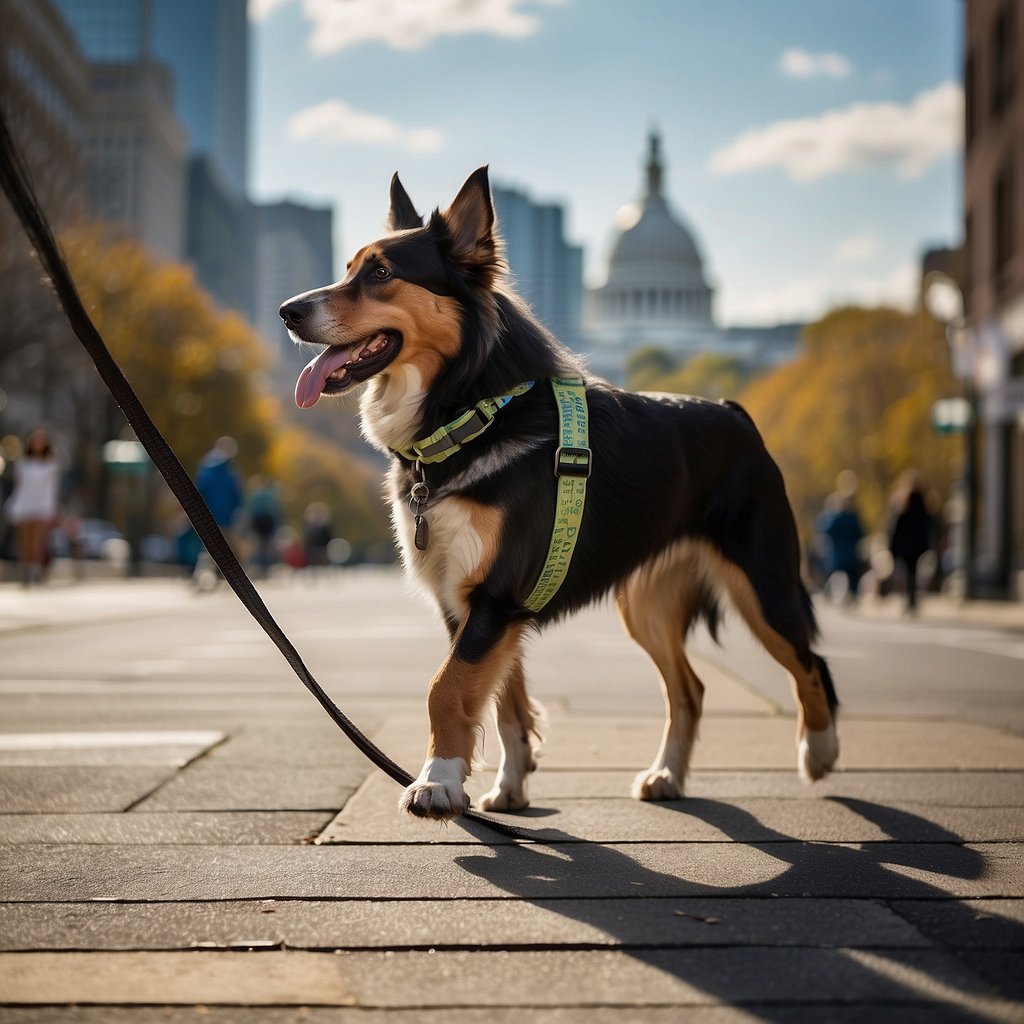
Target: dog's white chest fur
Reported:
[(456, 552)]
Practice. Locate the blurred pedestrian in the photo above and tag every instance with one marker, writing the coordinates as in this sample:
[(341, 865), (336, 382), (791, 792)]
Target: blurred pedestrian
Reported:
[(842, 535), (911, 531), (34, 503), (221, 489), (316, 534), (263, 509)]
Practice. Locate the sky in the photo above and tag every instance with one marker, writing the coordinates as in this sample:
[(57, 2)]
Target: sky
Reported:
[(812, 146)]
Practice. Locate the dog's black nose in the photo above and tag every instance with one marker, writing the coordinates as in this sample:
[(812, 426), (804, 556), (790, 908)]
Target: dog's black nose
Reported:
[(295, 310)]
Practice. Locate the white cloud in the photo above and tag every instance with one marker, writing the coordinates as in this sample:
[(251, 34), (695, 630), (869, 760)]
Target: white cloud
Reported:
[(811, 297), (336, 121), (908, 138), (856, 249), (412, 24), (802, 64), (260, 10)]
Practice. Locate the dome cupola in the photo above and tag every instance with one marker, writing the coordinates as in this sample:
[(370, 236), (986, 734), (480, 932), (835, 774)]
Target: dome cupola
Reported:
[(653, 248)]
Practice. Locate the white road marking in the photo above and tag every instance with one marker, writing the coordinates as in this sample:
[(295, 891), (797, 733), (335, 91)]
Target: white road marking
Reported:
[(96, 740)]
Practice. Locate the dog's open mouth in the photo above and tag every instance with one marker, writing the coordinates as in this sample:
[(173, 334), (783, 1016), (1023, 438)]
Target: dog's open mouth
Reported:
[(338, 368)]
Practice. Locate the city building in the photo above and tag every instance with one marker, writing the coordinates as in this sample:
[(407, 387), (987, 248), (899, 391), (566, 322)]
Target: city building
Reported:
[(546, 270), (294, 251), (207, 47), (655, 292), (44, 83), (44, 90), (992, 356), (161, 65), (135, 154)]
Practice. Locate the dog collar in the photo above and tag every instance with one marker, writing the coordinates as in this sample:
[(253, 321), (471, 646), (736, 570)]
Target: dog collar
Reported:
[(572, 467), (447, 440)]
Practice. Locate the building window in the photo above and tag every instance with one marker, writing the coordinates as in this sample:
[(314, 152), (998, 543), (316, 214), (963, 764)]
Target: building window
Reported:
[(1003, 30), (1002, 226)]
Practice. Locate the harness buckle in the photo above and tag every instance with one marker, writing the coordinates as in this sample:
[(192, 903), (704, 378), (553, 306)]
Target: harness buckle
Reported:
[(572, 461)]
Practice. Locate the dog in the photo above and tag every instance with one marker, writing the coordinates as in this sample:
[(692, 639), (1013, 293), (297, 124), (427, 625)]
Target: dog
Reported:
[(683, 506)]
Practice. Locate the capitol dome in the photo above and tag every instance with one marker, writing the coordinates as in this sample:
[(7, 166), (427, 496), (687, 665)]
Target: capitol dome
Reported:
[(652, 239), (656, 291)]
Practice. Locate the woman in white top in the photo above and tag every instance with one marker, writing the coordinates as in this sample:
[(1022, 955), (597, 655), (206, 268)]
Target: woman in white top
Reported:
[(33, 504)]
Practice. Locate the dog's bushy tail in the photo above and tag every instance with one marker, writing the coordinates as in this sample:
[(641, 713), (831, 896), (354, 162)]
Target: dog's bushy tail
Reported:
[(830, 687), (709, 611)]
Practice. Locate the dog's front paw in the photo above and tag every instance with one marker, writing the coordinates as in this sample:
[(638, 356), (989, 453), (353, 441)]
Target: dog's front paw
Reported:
[(657, 784), (502, 799), (437, 792), (817, 753)]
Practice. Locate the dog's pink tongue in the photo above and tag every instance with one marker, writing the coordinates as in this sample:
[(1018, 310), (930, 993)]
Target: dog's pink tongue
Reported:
[(313, 377)]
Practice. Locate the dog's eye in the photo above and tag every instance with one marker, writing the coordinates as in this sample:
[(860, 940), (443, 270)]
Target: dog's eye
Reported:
[(381, 273)]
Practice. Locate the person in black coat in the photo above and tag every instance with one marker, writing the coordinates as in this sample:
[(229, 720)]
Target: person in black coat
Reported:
[(910, 532)]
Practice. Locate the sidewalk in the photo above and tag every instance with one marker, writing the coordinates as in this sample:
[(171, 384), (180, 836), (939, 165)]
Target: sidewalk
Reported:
[(187, 837)]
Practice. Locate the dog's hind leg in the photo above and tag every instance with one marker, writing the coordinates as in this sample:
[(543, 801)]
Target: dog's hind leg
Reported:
[(781, 619), (657, 604), (519, 730), (484, 652)]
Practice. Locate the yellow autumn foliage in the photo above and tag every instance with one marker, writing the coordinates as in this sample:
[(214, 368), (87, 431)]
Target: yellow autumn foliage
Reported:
[(858, 396)]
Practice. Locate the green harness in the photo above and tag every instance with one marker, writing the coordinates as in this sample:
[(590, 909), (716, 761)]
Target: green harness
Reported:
[(572, 467)]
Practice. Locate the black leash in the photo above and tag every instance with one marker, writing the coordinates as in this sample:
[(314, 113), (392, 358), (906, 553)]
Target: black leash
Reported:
[(17, 185)]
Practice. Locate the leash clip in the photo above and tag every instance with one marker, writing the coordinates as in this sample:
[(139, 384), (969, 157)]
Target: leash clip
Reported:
[(419, 494)]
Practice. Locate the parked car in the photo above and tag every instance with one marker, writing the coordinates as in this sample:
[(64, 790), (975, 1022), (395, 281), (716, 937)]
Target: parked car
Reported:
[(93, 537)]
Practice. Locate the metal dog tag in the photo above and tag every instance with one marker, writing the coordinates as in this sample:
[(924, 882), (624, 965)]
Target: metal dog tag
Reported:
[(422, 536)]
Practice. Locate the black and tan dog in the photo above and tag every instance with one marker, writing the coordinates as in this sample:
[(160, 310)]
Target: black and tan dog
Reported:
[(683, 502)]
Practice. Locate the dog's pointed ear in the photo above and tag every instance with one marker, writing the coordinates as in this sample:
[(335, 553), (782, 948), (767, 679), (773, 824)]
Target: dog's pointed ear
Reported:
[(470, 220), (402, 213)]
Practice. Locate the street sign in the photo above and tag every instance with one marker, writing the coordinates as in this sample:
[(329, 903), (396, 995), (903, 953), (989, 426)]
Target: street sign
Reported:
[(951, 415), (128, 456)]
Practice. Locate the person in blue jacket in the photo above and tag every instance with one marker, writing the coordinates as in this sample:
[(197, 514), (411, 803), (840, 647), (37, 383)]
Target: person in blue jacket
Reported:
[(221, 488)]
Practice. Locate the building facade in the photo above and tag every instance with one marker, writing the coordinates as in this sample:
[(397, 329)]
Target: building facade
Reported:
[(172, 84), (546, 270), (135, 155), (294, 251), (656, 291), (992, 343), (44, 82)]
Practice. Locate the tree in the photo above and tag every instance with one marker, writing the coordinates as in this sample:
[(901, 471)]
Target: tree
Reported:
[(647, 365), (309, 468), (708, 375), (858, 397)]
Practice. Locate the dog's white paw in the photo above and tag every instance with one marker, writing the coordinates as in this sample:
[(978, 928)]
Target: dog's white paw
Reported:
[(502, 799), (437, 792), (817, 753), (657, 784)]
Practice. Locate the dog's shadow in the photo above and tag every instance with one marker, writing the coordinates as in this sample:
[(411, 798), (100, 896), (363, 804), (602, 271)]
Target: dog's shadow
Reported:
[(587, 883)]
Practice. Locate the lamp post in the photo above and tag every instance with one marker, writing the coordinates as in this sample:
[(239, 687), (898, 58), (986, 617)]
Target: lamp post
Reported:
[(944, 300), (129, 458)]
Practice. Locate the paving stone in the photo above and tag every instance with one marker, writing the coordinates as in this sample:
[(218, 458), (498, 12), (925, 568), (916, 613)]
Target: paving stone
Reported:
[(1001, 968), (315, 741), (742, 742), (371, 817), (480, 979), (980, 924), (223, 787), (358, 924), (575, 870), (77, 789), (784, 1013), (188, 827), (930, 789)]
